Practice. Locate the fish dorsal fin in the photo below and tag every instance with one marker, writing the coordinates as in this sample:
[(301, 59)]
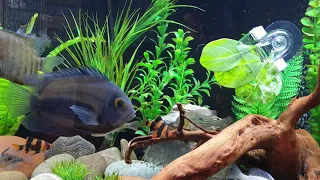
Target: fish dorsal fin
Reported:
[(41, 80), (39, 44), (260, 173)]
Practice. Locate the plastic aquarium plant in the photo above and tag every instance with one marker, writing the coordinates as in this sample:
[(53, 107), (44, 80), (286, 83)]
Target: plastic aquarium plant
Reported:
[(70, 170), (103, 47), (311, 29), (167, 68)]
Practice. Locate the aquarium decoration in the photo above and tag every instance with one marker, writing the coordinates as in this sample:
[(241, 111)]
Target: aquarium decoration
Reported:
[(31, 23), (251, 65), (291, 80), (94, 47), (167, 67), (311, 41)]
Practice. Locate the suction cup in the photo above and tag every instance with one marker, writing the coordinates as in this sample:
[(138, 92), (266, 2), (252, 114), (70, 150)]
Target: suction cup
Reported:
[(294, 31)]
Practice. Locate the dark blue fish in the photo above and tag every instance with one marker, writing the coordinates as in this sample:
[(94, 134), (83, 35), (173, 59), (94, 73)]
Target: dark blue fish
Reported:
[(73, 101)]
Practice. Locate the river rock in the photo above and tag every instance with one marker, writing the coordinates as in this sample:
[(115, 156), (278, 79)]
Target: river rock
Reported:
[(12, 175), (174, 113), (111, 155), (46, 166), (95, 163), (124, 147), (136, 168), (46, 176), (163, 153), (75, 145)]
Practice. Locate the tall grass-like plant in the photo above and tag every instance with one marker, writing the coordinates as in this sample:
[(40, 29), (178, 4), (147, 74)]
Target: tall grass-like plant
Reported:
[(95, 47)]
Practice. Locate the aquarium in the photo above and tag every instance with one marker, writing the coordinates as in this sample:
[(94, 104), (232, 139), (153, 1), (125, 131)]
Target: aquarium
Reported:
[(159, 89)]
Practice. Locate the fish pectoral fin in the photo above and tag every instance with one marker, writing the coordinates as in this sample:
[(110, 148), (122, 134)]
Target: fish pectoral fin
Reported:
[(85, 115), (33, 123), (50, 62)]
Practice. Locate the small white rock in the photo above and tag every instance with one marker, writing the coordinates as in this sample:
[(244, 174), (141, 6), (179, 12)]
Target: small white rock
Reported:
[(46, 176)]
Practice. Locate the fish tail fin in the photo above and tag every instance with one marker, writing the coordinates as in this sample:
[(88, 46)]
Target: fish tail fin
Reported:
[(50, 62), (17, 99), (236, 173)]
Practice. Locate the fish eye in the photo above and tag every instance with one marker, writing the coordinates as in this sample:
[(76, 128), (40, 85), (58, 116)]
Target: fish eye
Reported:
[(119, 102)]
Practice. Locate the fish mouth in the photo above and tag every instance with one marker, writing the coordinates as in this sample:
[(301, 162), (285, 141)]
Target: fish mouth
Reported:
[(127, 118), (99, 134)]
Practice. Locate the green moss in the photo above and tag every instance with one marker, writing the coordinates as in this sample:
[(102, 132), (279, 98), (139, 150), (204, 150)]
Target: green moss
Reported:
[(70, 170), (113, 176)]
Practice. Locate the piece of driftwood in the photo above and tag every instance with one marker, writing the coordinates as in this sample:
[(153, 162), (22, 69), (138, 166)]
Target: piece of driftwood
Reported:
[(290, 153)]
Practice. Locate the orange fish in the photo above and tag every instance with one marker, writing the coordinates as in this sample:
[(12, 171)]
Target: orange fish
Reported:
[(33, 144), (159, 128)]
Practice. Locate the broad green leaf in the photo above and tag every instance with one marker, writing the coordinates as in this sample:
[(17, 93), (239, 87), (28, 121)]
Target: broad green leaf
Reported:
[(307, 22), (243, 73), (221, 55), (313, 4), (306, 40), (308, 31), (309, 46), (313, 12)]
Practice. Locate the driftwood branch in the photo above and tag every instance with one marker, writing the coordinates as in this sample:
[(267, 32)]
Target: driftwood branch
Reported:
[(290, 153), (181, 134)]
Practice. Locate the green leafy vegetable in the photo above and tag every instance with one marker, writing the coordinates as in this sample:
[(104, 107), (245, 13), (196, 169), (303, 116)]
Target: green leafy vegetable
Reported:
[(223, 55), (264, 89), (245, 72)]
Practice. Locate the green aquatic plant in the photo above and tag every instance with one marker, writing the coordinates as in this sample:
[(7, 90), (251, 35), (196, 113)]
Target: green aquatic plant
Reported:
[(167, 68), (113, 176), (31, 23), (311, 31), (291, 80), (103, 47), (70, 170)]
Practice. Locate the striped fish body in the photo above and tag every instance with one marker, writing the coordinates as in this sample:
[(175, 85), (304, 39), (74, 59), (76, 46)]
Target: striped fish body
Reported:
[(159, 128), (33, 144), (19, 56)]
